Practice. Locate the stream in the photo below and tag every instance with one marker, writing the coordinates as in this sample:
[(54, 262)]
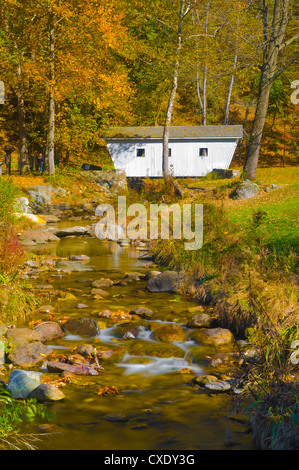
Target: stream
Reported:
[(156, 406)]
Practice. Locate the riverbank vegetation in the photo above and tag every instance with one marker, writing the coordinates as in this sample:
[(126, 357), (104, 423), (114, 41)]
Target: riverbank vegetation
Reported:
[(63, 85), (247, 270)]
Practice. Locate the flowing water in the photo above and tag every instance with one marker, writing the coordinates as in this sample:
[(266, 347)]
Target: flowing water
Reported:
[(157, 406)]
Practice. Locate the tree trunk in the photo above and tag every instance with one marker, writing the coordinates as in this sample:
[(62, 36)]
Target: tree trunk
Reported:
[(23, 145), (23, 141), (205, 74), (51, 138), (230, 91), (273, 43), (166, 132), (252, 154)]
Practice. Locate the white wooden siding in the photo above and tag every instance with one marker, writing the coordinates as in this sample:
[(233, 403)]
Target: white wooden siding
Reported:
[(184, 161)]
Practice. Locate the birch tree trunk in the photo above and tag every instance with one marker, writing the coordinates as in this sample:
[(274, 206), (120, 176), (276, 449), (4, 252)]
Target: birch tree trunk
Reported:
[(23, 141), (51, 135), (165, 155), (205, 75), (227, 108)]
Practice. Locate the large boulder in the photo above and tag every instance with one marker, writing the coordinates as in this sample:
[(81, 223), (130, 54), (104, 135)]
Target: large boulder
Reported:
[(213, 336), (245, 190), (46, 392), (25, 348), (169, 333), (77, 230), (167, 281), (22, 382), (41, 194), (29, 354), (38, 236)]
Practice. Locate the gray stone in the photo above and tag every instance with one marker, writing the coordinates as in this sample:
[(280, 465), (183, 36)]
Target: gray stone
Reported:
[(41, 194), (29, 354), (46, 392), (21, 382), (245, 190), (201, 320), (169, 333), (72, 266), (83, 326), (219, 386), (77, 231), (79, 258), (21, 335), (61, 192), (213, 336), (22, 205), (85, 349), (142, 312), (38, 236), (50, 218), (48, 331), (167, 281)]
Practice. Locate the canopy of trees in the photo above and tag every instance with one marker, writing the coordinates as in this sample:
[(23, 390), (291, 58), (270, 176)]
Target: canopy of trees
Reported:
[(72, 67)]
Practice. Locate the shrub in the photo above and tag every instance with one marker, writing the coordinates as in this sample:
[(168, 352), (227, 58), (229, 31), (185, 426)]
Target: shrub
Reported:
[(11, 251)]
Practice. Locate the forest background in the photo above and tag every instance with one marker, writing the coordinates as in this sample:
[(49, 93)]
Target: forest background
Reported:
[(71, 68)]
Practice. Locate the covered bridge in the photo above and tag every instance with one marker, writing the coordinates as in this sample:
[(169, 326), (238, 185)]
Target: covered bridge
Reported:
[(193, 150)]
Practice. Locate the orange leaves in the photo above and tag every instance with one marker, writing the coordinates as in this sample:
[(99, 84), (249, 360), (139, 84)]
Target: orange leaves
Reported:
[(110, 390)]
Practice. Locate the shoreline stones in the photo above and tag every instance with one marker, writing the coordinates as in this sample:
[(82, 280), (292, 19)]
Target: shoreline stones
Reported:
[(169, 333), (72, 266), (48, 331), (201, 320), (213, 336), (167, 281)]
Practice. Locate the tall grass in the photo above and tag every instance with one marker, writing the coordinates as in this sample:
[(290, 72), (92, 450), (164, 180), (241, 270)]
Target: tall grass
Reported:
[(16, 297), (13, 415)]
